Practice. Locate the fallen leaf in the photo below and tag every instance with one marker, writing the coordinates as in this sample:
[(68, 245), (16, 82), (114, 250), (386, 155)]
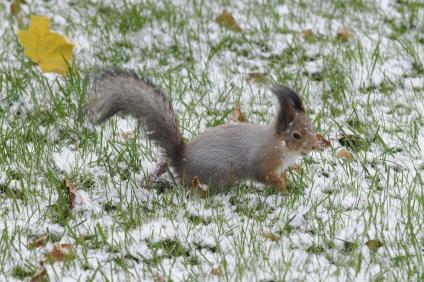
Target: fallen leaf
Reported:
[(271, 236), (344, 154), (216, 271), (258, 77), (343, 34), (321, 142), (373, 245), (50, 50), (40, 275), (159, 278), (66, 245), (237, 115), (60, 252), (72, 191), (15, 6), (76, 199), (309, 36), (227, 20), (39, 242)]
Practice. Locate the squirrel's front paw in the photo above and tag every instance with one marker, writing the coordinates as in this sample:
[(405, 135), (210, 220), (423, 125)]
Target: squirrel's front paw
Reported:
[(279, 182)]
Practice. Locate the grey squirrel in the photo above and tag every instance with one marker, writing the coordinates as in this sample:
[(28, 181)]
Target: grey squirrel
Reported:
[(221, 155)]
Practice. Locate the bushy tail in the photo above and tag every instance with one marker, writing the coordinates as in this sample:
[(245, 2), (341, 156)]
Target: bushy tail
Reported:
[(123, 91)]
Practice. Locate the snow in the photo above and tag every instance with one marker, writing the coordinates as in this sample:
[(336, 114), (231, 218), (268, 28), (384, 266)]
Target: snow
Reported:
[(65, 160), (340, 200)]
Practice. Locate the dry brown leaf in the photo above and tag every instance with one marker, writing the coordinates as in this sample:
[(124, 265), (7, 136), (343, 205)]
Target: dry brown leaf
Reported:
[(321, 142), (216, 271), (60, 252), (40, 275), (309, 36), (39, 242), (72, 191), (271, 236), (237, 115), (15, 6), (373, 245), (343, 34), (227, 20), (258, 77), (159, 278), (344, 154)]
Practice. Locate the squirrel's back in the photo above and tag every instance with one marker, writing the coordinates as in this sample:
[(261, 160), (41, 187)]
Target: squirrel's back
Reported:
[(231, 152)]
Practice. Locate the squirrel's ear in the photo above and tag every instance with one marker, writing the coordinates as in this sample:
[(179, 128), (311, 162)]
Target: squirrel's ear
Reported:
[(290, 103)]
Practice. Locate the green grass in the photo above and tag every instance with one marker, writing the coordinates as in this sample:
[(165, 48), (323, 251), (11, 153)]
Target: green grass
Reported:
[(365, 94)]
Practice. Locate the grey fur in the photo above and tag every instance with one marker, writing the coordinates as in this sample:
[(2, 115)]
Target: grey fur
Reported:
[(123, 91), (234, 152)]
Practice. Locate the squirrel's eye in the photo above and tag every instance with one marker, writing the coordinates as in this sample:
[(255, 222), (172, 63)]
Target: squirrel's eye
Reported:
[(296, 135)]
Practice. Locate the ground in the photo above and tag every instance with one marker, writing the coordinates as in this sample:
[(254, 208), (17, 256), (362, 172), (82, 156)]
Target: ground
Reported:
[(358, 66)]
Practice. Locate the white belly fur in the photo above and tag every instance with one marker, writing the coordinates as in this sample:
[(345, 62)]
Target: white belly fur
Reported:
[(289, 160)]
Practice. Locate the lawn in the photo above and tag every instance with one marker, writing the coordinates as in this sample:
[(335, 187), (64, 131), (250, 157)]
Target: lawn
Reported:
[(359, 66)]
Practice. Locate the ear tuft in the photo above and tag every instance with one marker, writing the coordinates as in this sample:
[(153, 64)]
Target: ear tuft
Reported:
[(286, 94), (290, 103)]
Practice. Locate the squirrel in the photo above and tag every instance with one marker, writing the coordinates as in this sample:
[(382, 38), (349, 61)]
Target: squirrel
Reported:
[(221, 155)]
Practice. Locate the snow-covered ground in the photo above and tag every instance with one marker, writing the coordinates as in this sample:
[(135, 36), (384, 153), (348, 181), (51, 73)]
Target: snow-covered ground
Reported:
[(343, 220)]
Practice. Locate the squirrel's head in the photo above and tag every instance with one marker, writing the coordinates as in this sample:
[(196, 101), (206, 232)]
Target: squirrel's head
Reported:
[(292, 124)]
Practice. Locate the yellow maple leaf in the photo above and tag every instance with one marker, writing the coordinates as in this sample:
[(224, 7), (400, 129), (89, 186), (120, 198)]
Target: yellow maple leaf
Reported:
[(50, 50)]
